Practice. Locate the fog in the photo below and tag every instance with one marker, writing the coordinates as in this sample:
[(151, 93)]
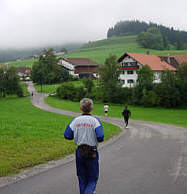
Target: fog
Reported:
[(36, 23)]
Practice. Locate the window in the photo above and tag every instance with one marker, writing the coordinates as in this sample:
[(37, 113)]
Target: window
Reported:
[(130, 81), (123, 64), (134, 63), (130, 72)]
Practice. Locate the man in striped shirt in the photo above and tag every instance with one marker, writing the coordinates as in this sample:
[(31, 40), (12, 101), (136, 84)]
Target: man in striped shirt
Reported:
[(86, 131)]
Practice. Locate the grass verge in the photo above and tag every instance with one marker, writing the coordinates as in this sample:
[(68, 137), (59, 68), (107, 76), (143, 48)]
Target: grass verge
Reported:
[(51, 88), (161, 115), (30, 136)]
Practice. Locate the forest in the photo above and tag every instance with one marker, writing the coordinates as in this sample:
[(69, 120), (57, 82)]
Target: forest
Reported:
[(174, 37)]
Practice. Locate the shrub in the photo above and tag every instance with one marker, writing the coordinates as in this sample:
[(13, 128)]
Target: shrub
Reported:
[(66, 91), (70, 92)]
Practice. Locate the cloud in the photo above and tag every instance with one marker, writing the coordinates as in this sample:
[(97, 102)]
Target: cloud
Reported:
[(32, 23)]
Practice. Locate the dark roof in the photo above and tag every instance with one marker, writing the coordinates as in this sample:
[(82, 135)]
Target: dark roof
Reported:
[(180, 58), (80, 61), (23, 69)]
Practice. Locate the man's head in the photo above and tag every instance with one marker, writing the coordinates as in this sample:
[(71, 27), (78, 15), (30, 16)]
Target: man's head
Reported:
[(86, 105)]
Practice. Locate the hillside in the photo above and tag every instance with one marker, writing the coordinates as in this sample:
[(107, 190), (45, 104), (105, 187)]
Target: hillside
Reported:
[(100, 50), (135, 27)]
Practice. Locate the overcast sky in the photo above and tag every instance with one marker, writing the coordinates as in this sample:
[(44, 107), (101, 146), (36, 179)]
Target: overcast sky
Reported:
[(32, 23)]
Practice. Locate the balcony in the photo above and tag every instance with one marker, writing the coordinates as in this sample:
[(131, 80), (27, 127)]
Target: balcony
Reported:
[(130, 67)]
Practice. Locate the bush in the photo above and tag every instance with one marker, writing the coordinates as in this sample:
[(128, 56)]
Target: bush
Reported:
[(88, 83), (70, 92), (19, 91), (80, 93), (149, 98), (66, 91)]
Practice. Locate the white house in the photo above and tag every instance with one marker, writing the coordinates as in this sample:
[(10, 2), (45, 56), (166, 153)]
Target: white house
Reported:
[(132, 62), (68, 66)]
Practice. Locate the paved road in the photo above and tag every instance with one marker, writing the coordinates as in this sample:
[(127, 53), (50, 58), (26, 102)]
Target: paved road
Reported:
[(148, 158)]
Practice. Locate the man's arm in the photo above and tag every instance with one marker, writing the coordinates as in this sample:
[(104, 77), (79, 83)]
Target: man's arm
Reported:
[(68, 134), (99, 133)]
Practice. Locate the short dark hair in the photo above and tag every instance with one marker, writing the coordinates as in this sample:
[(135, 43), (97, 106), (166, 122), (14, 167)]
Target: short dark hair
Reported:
[(86, 105)]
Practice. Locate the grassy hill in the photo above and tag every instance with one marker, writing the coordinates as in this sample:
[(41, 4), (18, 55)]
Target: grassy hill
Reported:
[(99, 50), (24, 63)]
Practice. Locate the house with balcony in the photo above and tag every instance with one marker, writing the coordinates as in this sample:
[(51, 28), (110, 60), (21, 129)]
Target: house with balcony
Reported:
[(132, 62)]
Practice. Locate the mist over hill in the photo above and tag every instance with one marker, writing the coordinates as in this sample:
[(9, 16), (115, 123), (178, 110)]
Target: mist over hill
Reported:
[(14, 54)]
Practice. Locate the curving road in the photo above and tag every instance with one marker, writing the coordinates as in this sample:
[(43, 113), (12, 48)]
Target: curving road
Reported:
[(149, 158)]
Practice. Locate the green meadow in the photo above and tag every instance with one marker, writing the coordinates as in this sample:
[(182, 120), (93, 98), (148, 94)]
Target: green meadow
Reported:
[(24, 63), (51, 88), (160, 115), (99, 50), (30, 136)]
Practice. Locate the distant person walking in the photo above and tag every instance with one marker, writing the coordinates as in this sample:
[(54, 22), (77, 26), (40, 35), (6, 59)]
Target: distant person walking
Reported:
[(106, 107), (126, 114), (87, 131)]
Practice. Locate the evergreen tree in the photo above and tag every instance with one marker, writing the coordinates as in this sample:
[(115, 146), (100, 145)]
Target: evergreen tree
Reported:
[(179, 44), (136, 27)]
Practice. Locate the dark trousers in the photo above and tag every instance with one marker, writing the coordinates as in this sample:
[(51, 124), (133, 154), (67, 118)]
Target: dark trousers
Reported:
[(88, 173), (126, 119)]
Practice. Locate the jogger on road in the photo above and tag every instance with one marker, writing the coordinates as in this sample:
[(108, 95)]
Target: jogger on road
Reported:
[(87, 131)]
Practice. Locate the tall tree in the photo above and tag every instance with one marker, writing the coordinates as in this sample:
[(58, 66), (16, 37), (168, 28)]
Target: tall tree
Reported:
[(152, 39), (145, 77), (169, 93), (9, 82), (109, 78), (144, 85), (2, 83), (179, 44), (182, 81), (46, 70), (38, 73)]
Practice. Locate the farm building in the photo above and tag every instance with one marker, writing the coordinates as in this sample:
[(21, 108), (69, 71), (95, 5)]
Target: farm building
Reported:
[(131, 62), (79, 67), (24, 72)]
